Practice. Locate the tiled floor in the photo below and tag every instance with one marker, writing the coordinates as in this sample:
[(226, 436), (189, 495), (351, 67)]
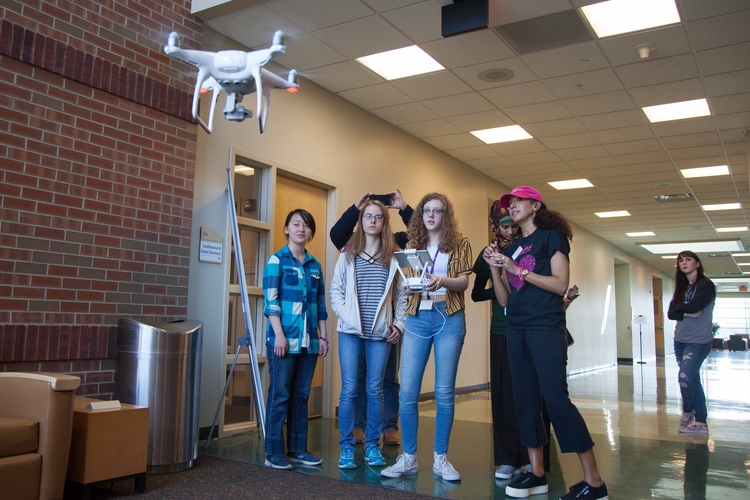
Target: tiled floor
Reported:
[(632, 413)]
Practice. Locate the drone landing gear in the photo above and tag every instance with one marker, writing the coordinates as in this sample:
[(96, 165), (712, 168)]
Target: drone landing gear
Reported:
[(234, 112)]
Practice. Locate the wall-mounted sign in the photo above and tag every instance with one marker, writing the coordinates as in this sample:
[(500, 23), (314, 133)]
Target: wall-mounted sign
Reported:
[(211, 246)]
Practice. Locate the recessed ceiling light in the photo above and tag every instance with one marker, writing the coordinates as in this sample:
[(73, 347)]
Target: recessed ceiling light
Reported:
[(574, 184), (743, 263), (668, 256), (400, 63), (644, 233), (721, 206), (619, 213), (623, 16), (694, 246), (738, 229), (501, 134), (677, 111), (741, 255), (690, 173)]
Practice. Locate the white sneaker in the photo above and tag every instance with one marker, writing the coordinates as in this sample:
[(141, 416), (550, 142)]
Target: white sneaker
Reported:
[(506, 472), (405, 465), (443, 468)]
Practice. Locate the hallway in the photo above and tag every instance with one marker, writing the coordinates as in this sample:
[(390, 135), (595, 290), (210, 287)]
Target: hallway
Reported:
[(632, 413)]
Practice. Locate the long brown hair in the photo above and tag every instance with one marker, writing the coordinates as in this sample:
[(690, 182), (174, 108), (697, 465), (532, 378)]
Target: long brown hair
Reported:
[(550, 219), (357, 242), (681, 282), (450, 236)]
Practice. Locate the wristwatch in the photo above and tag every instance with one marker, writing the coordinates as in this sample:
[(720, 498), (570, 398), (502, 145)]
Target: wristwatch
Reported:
[(524, 273)]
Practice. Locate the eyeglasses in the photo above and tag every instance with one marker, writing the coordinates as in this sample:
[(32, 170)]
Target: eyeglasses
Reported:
[(370, 217), (437, 211)]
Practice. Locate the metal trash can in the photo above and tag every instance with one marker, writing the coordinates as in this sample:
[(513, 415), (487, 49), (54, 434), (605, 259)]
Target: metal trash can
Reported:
[(159, 366)]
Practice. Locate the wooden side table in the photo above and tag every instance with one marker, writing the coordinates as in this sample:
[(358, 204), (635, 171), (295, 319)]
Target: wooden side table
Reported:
[(108, 445)]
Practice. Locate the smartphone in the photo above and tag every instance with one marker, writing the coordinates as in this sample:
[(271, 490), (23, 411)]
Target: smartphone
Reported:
[(385, 199)]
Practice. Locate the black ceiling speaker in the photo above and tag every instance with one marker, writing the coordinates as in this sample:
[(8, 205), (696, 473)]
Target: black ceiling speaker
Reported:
[(464, 16)]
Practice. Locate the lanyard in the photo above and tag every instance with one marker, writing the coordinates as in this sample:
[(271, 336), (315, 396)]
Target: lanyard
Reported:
[(434, 261)]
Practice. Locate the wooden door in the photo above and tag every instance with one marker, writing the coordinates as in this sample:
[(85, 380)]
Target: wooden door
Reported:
[(292, 194)]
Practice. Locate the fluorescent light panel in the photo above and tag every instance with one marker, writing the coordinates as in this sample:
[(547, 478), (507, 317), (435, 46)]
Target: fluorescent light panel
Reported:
[(721, 206), (741, 255), (644, 233), (619, 213), (691, 173), (738, 229), (400, 63), (743, 263), (677, 111), (574, 184), (669, 257), (624, 16), (501, 134), (695, 246)]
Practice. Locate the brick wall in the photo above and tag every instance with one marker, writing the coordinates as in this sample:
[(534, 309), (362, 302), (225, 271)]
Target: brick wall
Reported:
[(97, 158)]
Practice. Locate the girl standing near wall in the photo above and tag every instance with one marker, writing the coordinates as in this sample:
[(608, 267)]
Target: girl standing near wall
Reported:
[(537, 272), (370, 302), (692, 306), (295, 304), (435, 318)]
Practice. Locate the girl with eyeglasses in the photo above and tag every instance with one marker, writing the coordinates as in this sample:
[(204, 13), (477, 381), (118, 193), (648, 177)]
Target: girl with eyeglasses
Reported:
[(295, 304), (368, 297), (435, 320)]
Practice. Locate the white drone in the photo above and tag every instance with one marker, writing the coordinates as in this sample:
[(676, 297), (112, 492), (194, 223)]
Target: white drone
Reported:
[(237, 73)]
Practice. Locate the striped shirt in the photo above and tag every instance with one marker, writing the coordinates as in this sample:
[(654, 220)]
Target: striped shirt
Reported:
[(371, 281), (459, 264)]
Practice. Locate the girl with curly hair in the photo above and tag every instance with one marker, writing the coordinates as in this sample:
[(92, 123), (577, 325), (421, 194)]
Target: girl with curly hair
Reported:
[(435, 320)]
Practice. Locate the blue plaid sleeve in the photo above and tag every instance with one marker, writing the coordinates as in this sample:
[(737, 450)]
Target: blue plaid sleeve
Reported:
[(271, 285)]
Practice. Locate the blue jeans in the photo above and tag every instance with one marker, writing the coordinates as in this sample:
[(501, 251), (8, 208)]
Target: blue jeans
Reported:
[(446, 333), (288, 392), (352, 349), (391, 389), (690, 357)]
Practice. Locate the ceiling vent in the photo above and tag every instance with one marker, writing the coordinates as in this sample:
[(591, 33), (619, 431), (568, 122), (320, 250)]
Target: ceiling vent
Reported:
[(546, 32), (732, 273), (670, 198), (718, 255)]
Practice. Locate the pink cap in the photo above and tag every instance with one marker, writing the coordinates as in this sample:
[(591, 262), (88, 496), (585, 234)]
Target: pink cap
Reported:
[(521, 192)]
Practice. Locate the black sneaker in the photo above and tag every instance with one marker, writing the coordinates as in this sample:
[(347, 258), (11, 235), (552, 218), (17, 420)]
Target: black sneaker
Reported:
[(526, 485), (584, 491)]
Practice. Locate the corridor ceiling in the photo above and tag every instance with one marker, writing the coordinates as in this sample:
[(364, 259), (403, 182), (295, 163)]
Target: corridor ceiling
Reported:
[(581, 102)]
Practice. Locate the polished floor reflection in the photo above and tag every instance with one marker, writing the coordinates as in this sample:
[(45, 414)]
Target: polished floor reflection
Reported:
[(632, 412)]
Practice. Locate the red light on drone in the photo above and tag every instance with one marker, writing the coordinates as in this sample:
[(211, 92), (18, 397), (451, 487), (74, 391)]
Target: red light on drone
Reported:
[(292, 90), (204, 91)]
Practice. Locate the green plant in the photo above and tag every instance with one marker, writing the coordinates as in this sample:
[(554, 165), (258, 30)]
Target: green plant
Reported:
[(715, 328)]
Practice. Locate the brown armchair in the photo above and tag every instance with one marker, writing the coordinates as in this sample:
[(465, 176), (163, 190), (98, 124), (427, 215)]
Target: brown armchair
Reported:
[(36, 422)]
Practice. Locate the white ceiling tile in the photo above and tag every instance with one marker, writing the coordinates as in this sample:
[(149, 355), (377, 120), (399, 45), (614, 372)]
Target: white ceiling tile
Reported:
[(421, 23), (561, 171), (699, 9), (730, 136), (454, 141), (624, 134), (481, 121), (342, 76), (253, 26), (553, 128), (642, 146), (579, 58), (521, 74), (305, 52), (468, 49), (696, 152), (724, 59), (594, 163), (657, 71), (599, 103), (405, 113), (491, 163), (519, 147), (386, 5), (511, 11), (518, 95), (638, 168), (363, 37), (700, 162), (618, 119), (719, 31), (735, 120), (691, 140), (375, 96), (650, 157), (440, 84), (570, 141), (431, 128), (729, 83), (312, 15), (686, 90), (593, 82), (669, 41), (730, 104), (581, 153), (681, 127), (462, 104), (542, 112), (534, 158), (474, 153), (735, 148)]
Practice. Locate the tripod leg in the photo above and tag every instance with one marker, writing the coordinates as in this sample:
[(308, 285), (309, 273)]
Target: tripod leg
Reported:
[(223, 396)]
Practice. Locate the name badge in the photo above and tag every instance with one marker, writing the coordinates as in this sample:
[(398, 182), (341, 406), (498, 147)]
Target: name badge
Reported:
[(425, 305), (517, 253)]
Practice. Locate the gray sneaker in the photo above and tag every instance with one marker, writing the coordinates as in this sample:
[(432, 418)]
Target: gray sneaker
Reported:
[(507, 471), (405, 465)]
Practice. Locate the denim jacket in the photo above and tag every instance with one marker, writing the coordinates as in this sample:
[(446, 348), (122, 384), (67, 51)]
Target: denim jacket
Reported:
[(294, 291)]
